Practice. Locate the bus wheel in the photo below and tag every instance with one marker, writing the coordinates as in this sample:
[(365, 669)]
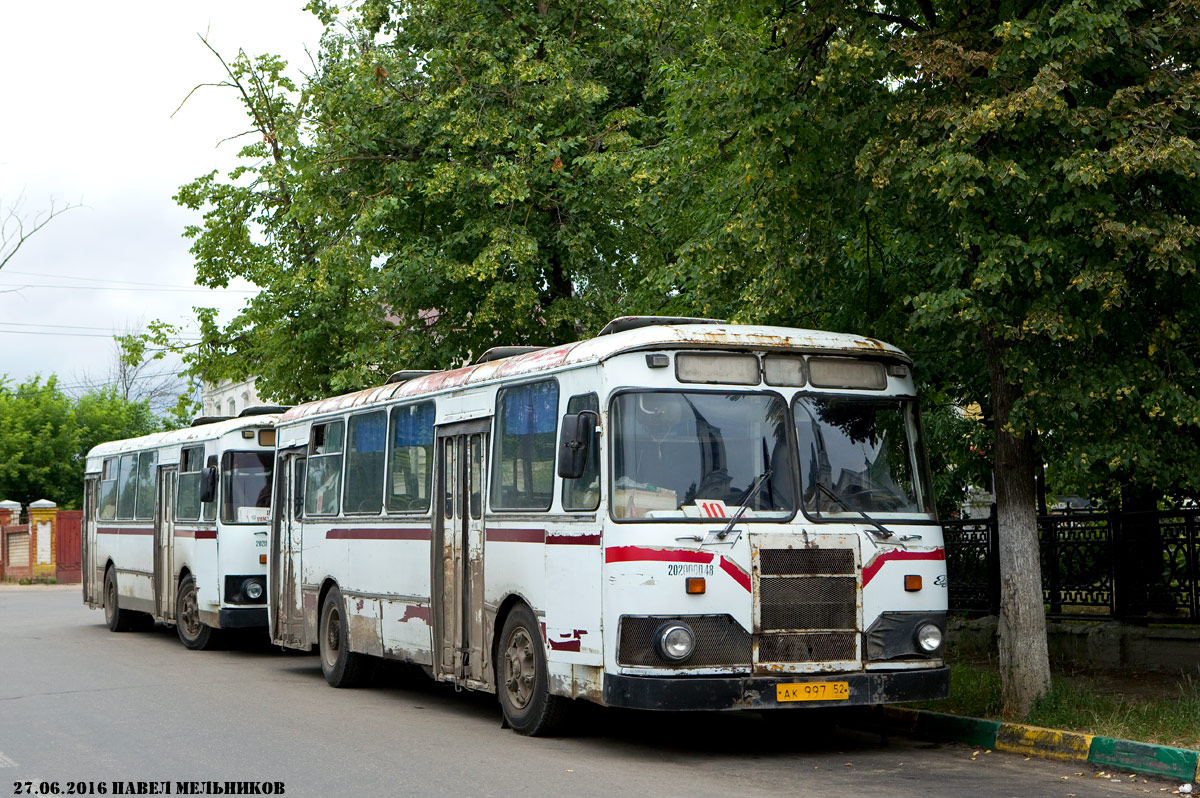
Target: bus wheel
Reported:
[(341, 666), (193, 633), (521, 678), (118, 620)]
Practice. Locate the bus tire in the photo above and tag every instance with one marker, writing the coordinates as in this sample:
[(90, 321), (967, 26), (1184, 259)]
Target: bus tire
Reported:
[(193, 633), (117, 619), (522, 682), (341, 666)]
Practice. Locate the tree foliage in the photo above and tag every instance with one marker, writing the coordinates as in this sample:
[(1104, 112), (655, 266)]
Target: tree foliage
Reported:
[(45, 436), (445, 182)]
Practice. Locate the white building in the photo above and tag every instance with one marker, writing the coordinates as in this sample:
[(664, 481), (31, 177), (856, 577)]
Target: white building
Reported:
[(225, 398)]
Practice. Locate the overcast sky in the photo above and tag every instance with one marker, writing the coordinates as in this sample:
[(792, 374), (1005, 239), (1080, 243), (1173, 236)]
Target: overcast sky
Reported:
[(88, 97)]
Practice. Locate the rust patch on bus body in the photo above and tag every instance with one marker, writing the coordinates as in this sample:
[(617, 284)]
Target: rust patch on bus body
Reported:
[(415, 612), (364, 635)]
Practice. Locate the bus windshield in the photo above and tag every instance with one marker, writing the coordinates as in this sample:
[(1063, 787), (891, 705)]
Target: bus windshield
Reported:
[(246, 487), (861, 455), (691, 455)]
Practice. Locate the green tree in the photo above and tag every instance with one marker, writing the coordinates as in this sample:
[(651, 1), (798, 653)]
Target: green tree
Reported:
[(444, 183), (45, 436), (1006, 190)]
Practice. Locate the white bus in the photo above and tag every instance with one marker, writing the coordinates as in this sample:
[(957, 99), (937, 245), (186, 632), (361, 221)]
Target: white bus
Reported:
[(676, 514), (176, 527)]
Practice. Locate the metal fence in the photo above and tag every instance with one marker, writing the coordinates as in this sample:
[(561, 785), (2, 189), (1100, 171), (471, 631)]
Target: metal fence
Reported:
[(1135, 567)]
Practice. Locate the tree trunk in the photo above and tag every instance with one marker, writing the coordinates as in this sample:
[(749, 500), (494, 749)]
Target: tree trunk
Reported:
[(1024, 659)]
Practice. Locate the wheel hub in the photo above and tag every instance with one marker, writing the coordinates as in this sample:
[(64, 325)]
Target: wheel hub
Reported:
[(519, 668)]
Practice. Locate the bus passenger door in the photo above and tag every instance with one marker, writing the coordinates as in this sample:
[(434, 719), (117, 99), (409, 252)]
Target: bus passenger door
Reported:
[(460, 630), (91, 586), (164, 544), (286, 577)]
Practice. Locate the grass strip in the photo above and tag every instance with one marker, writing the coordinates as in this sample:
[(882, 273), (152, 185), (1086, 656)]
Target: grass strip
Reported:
[(1165, 710)]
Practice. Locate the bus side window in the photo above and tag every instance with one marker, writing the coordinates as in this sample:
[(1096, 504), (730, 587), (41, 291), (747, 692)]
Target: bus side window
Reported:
[(298, 488), (323, 480), (187, 492), (584, 493), (127, 486), (366, 436), (526, 442), (410, 458), (144, 505), (108, 489)]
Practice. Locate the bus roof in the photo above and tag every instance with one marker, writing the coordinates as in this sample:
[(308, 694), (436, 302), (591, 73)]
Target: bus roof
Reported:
[(595, 350), (203, 432)]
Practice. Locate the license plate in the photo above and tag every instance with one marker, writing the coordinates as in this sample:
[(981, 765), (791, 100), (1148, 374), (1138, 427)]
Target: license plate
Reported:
[(813, 691)]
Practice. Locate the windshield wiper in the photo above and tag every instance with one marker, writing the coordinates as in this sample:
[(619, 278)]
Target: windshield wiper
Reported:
[(746, 497), (887, 533)]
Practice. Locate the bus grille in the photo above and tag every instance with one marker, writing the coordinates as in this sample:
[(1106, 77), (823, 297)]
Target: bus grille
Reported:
[(816, 647), (807, 606), (720, 642)]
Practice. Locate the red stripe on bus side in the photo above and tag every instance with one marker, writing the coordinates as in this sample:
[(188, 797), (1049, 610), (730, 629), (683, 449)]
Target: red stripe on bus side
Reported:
[(391, 533), (873, 567), (638, 553), (516, 535), (739, 576), (124, 530), (206, 534), (573, 540)]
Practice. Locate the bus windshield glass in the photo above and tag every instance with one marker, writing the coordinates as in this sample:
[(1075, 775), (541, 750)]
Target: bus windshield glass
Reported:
[(246, 487), (861, 455), (695, 455)]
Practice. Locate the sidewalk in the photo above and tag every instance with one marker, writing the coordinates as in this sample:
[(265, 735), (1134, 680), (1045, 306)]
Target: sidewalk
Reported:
[(4, 586), (1143, 758)]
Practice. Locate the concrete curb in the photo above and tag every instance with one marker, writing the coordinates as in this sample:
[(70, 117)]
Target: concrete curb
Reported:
[(1144, 758)]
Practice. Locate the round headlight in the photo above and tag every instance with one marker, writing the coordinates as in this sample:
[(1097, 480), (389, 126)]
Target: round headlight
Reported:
[(929, 637), (676, 641), (253, 589)]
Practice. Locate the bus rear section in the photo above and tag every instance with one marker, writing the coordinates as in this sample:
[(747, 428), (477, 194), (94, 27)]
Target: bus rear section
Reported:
[(176, 528)]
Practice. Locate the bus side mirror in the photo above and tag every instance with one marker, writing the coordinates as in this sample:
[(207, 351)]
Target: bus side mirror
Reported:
[(208, 484), (574, 441)]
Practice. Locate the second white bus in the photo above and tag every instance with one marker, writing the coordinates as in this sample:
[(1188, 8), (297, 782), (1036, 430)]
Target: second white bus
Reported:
[(176, 527)]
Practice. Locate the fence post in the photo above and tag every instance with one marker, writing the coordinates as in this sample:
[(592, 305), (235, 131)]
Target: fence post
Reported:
[(993, 527), (42, 532), (1051, 576), (10, 514), (1193, 549)]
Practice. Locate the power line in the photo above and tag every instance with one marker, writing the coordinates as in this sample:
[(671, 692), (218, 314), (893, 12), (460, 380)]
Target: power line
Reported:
[(116, 288), (95, 279), (76, 335), (67, 327)]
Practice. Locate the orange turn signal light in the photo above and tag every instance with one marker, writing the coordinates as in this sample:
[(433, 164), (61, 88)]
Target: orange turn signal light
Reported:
[(695, 585), (912, 582), (262, 558)]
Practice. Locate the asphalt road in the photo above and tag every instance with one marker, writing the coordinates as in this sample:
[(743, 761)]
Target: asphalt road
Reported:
[(78, 703)]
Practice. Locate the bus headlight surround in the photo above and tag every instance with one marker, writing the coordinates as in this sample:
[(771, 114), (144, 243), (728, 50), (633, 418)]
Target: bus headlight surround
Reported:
[(929, 637), (253, 589), (675, 641)]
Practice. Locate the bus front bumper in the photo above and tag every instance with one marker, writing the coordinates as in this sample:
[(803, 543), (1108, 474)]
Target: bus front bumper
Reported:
[(760, 692), (238, 618)]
